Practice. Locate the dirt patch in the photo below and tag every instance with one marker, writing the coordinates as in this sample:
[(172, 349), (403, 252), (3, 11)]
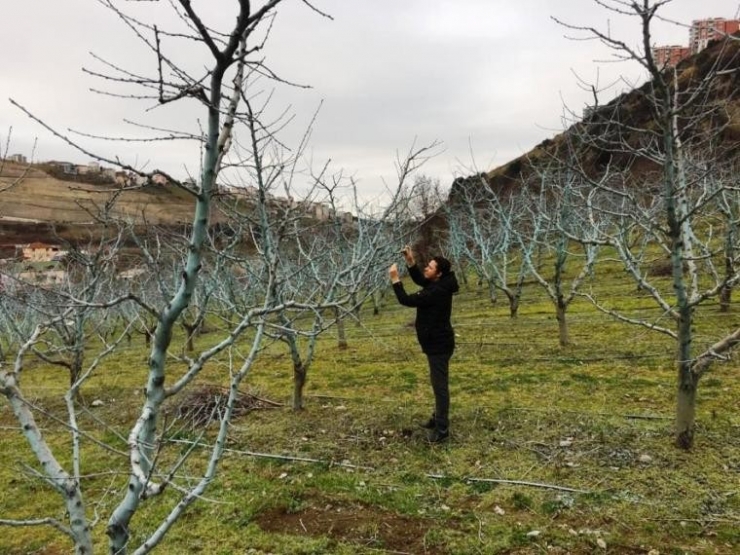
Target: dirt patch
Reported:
[(356, 524)]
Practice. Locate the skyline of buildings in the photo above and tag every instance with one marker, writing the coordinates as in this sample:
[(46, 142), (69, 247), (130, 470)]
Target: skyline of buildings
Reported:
[(701, 33)]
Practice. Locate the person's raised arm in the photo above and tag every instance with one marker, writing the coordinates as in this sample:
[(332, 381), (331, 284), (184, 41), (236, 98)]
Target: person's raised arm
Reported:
[(408, 256), (414, 271)]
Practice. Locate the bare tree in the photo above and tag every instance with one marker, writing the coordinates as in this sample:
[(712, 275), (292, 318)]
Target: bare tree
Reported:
[(70, 306), (347, 259), (426, 199), (484, 231), (665, 153), (728, 207), (552, 224), (233, 57)]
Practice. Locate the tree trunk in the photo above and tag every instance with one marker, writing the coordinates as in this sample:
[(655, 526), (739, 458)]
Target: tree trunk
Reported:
[(479, 284), (685, 409), (356, 310), (725, 298), (688, 380), (341, 331), (725, 294), (147, 337), (513, 304), (190, 330), (463, 274), (75, 369), (492, 292), (299, 381), (562, 324)]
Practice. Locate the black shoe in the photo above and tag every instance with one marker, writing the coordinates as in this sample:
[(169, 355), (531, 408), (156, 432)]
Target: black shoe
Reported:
[(429, 424), (438, 436)]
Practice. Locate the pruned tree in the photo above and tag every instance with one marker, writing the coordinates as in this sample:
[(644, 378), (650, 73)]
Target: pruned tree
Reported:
[(552, 224), (668, 153), (483, 231), (220, 90), (71, 305), (727, 200), (346, 261), (426, 199)]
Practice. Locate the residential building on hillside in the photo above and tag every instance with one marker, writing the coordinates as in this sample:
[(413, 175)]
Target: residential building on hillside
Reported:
[(669, 56), (123, 178), (41, 252), (18, 158), (66, 167), (701, 33), (159, 179), (704, 30)]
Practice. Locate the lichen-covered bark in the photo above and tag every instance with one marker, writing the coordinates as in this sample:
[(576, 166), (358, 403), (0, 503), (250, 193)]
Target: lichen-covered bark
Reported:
[(61, 480)]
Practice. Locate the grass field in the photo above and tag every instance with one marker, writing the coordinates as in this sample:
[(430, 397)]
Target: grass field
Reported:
[(552, 449)]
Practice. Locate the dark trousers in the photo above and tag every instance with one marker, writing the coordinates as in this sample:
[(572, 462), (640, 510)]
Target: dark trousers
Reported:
[(439, 374)]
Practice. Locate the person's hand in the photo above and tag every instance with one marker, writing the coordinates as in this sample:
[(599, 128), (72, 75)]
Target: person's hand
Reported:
[(393, 272), (408, 256)]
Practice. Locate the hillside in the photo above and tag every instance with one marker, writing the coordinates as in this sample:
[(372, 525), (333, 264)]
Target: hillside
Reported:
[(633, 113), (40, 197), (37, 201)]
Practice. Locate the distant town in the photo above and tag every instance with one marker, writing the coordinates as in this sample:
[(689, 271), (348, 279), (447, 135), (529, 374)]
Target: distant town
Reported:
[(95, 174), (44, 263), (38, 263)]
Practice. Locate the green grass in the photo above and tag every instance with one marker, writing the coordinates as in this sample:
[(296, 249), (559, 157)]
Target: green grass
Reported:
[(587, 428)]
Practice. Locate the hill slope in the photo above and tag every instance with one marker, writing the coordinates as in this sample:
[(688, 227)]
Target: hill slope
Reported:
[(32, 202), (634, 114), (36, 196)]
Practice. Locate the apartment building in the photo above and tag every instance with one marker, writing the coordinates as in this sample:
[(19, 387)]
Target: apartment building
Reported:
[(701, 33), (669, 56), (705, 30)]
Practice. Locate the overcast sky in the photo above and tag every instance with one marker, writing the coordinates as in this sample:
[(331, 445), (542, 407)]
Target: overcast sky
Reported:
[(489, 79)]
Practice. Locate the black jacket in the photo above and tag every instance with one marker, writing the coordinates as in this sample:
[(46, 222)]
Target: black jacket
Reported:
[(433, 309)]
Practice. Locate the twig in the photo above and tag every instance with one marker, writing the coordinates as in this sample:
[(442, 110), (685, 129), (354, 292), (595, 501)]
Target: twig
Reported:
[(515, 482), (697, 520), (54, 523), (279, 457), (267, 401), (632, 416), (360, 467)]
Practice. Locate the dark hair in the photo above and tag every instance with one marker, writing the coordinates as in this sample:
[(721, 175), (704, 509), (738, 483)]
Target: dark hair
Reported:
[(443, 265)]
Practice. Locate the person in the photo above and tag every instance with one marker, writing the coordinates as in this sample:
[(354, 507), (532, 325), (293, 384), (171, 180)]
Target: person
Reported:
[(433, 303)]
